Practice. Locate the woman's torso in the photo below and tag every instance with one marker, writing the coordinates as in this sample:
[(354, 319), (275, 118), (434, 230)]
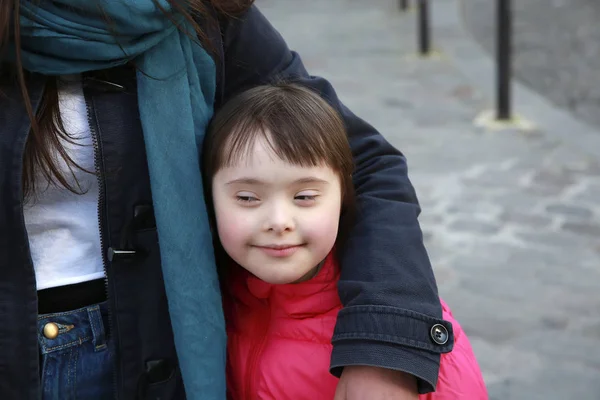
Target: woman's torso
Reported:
[(139, 318), (62, 226)]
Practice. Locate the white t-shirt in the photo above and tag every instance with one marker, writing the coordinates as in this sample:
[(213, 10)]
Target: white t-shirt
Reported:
[(63, 227)]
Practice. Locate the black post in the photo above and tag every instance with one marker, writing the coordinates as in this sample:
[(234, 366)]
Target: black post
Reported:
[(403, 4), (503, 59), (424, 39)]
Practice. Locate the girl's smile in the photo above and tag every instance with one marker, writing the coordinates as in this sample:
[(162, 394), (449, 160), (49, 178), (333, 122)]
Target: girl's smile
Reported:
[(280, 251)]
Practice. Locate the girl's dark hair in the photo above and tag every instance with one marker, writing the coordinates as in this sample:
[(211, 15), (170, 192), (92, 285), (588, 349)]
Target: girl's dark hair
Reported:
[(298, 125), (47, 132), (300, 128)]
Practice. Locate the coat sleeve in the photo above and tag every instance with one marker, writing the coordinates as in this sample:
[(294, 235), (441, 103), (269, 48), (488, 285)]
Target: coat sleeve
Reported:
[(387, 285)]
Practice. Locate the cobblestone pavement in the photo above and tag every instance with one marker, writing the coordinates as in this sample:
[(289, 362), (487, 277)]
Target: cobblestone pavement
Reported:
[(557, 48), (511, 220)]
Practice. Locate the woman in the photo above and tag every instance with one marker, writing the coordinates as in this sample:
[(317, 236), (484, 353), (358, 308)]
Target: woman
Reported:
[(108, 167)]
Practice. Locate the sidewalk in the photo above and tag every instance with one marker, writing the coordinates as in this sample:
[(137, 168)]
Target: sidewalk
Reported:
[(561, 59), (511, 220)]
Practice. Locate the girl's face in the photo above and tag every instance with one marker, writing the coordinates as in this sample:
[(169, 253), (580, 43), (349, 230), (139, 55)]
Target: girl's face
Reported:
[(277, 220)]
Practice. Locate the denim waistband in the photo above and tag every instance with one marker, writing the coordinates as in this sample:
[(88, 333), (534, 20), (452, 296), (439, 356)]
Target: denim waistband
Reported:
[(74, 328)]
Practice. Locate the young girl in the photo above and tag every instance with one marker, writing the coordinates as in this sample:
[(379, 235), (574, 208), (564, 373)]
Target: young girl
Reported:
[(279, 168)]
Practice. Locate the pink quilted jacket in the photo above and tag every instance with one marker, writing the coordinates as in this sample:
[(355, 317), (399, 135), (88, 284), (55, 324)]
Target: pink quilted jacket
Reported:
[(280, 342)]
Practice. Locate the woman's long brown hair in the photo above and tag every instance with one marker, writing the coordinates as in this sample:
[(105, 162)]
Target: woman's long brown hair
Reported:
[(47, 131)]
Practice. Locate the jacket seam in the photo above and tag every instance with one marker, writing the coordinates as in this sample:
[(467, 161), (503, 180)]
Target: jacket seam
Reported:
[(387, 310), (72, 343), (393, 339)]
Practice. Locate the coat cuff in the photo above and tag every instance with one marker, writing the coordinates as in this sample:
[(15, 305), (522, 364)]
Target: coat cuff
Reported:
[(421, 364), (393, 338)]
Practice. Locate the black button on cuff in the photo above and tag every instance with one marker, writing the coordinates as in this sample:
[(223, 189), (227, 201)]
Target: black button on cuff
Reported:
[(439, 334)]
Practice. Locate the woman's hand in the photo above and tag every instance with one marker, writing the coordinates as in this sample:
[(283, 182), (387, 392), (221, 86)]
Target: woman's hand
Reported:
[(372, 383)]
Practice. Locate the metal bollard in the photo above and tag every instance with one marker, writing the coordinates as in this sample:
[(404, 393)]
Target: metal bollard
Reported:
[(503, 59), (424, 37), (403, 4)]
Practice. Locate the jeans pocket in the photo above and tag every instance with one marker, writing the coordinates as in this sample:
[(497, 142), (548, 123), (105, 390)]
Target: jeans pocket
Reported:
[(77, 358)]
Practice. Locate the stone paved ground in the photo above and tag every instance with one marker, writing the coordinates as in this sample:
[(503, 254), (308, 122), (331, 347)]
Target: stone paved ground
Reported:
[(511, 220), (557, 48)]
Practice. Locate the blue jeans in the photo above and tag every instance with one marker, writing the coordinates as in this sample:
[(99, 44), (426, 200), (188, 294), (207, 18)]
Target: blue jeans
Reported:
[(77, 359)]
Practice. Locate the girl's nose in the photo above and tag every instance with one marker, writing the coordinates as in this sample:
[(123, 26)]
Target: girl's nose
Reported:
[(279, 219)]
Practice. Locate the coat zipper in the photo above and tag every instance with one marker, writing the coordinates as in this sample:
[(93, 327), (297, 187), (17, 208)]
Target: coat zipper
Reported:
[(254, 358), (101, 207)]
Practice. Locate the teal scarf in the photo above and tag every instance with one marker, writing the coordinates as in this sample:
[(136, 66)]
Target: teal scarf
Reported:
[(176, 87)]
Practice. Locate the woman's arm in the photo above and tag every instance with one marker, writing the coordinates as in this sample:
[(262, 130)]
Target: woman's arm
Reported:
[(387, 285)]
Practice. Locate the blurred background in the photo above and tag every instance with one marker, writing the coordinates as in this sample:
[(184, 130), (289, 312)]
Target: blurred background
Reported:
[(557, 48), (511, 207)]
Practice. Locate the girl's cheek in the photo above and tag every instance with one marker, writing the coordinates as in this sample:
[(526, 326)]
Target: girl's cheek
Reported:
[(226, 223), (324, 227), (230, 232)]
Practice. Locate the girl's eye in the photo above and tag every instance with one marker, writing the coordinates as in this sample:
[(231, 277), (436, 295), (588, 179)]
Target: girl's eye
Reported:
[(246, 199), (306, 198)]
